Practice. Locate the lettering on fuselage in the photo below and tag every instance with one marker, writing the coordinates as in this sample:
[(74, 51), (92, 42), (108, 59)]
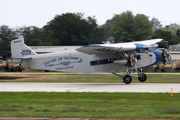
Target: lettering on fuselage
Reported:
[(63, 62), (17, 41)]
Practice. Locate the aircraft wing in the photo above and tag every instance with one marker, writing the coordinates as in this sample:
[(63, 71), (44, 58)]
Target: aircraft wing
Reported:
[(118, 47)]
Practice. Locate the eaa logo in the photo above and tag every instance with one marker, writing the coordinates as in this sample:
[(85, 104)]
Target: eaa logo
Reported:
[(26, 52)]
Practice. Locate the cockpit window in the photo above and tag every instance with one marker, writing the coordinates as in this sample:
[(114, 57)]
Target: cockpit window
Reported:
[(140, 50), (153, 48), (146, 50)]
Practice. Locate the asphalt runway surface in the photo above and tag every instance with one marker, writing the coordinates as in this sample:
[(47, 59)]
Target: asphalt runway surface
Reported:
[(89, 87)]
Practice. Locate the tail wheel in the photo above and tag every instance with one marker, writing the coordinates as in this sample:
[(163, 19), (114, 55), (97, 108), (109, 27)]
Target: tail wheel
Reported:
[(20, 69), (127, 79), (8, 69), (143, 77)]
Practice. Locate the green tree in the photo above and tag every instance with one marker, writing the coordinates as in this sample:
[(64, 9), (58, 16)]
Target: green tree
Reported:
[(127, 27), (123, 27), (166, 36), (38, 37), (6, 36), (73, 29), (172, 27), (156, 24), (178, 33), (143, 27)]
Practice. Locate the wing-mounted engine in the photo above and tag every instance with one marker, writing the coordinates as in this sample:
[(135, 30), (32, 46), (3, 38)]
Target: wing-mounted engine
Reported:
[(128, 61), (131, 61), (166, 56)]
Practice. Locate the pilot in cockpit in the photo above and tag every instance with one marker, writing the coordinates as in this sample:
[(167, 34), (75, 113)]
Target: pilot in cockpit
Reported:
[(146, 50)]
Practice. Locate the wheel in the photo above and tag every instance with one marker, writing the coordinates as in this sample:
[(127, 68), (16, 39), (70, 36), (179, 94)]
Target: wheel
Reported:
[(20, 69), (156, 69), (143, 78), (8, 69), (127, 79)]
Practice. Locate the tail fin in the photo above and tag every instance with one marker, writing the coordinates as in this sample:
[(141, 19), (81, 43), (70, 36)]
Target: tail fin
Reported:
[(20, 50)]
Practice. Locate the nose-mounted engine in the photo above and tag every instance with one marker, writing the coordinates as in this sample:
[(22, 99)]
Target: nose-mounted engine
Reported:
[(166, 56)]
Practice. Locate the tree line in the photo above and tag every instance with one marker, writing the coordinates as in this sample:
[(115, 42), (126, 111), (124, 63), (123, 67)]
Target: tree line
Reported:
[(74, 29)]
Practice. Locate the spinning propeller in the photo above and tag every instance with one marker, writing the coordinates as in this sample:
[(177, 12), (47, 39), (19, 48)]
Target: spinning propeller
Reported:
[(166, 57)]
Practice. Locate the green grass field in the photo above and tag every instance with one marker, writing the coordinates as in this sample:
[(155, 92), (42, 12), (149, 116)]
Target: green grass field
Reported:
[(88, 105), (86, 78), (91, 105)]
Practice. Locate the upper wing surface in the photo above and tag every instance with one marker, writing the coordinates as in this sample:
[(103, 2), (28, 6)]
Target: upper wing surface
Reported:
[(148, 42), (115, 48)]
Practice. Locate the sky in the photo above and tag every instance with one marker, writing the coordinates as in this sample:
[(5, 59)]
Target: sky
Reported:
[(39, 12)]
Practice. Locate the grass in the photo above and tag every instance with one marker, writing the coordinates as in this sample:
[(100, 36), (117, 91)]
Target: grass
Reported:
[(86, 78), (92, 105)]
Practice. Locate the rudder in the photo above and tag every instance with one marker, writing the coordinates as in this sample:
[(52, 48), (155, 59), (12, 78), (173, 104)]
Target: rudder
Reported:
[(19, 49)]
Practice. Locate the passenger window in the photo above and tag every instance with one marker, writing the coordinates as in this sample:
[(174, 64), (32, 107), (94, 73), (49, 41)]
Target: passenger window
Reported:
[(113, 59), (95, 63), (105, 61)]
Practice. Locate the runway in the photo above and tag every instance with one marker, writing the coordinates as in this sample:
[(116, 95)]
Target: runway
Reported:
[(89, 87)]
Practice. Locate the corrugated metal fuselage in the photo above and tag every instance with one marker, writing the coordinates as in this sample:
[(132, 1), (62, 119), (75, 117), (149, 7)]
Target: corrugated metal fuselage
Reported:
[(74, 61)]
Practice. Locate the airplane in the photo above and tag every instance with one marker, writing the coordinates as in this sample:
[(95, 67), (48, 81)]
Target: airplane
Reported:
[(97, 58)]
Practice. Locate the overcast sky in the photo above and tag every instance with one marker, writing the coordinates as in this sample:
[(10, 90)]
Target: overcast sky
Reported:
[(38, 12)]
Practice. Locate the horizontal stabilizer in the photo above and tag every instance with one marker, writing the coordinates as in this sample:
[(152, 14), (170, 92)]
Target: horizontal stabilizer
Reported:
[(19, 58)]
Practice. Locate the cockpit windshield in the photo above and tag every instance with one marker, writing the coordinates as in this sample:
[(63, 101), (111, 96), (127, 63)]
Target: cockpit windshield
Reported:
[(145, 50)]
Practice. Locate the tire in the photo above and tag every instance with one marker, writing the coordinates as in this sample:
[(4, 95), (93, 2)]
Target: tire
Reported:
[(20, 69), (156, 69), (8, 69), (143, 78), (127, 79)]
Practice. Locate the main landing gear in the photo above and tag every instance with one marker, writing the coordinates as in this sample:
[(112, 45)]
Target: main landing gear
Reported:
[(128, 79), (132, 63)]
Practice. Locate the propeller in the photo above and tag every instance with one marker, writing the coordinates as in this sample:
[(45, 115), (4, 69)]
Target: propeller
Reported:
[(166, 57)]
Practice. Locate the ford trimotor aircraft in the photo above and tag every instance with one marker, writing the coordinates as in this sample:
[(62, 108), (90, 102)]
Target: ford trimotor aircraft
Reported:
[(100, 58)]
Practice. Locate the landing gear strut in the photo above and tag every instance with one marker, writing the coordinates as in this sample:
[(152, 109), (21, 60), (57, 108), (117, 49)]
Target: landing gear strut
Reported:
[(131, 62), (128, 79)]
